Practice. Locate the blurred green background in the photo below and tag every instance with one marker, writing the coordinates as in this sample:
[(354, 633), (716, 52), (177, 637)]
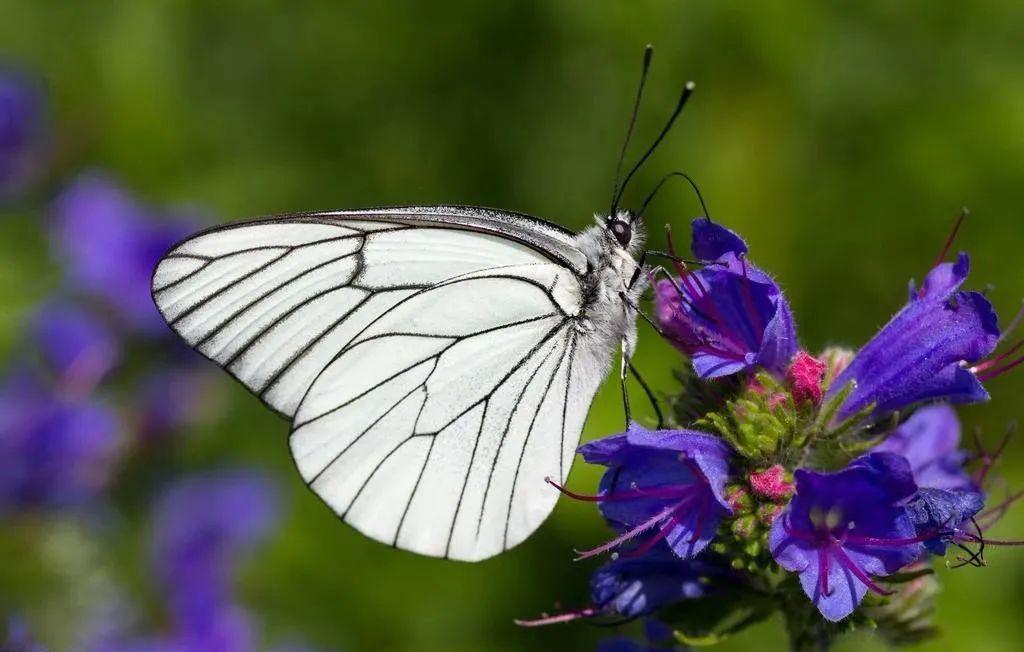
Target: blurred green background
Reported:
[(840, 139)]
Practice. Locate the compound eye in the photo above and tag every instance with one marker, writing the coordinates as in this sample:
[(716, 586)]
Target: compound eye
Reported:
[(622, 232)]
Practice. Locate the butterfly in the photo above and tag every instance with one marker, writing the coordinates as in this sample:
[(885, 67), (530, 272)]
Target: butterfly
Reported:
[(437, 363)]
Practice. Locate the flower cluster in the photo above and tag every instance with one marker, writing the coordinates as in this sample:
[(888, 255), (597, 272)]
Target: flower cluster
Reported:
[(202, 526), (807, 483), (62, 434), (96, 390)]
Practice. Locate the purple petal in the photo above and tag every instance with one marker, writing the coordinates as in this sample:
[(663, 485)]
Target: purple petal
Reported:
[(55, 451), (930, 440), (852, 524), (639, 586), (943, 280), (920, 356), (687, 471), (711, 241), (77, 346), (110, 243), (941, 511), (22, 131), (202, 525), (729, 316)]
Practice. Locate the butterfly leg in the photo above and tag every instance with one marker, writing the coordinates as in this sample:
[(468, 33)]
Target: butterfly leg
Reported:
[(624, 365), (650, 394)]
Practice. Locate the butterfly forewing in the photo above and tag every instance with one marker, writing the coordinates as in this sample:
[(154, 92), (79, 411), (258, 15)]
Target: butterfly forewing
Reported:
[(431, 360)]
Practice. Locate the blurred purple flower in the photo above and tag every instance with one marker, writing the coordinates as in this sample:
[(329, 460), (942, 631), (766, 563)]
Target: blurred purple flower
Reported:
[(19, 637), (22, 130), (729, 316), (631, 587), (77, 347), (172, 399), (56, 450), (924, 352), (202, 526), (930, 441), (670, 481), (109, 244), (842, 528)]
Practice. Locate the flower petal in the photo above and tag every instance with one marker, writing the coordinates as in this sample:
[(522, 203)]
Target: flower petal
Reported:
[(918, 356)]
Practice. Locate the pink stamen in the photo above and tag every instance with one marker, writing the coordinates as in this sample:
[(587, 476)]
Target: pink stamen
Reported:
[(966, 536), (999, 371), (702, 514), (982, 366), (952, 237), (988, 460), (626, 536), (558, 618), (823, 569), (646, 546), (1014, 324), (680, 266), (630, 534), (992, 515), (881, 541), (949, 243), (857, 572)]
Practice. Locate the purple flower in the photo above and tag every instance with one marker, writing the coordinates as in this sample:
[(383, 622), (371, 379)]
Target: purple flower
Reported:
[(728, 316), (19, 637), (671, 481), (110, 243), (202, 526), (640, 586), (172, 399), (635, 586), (56, 451), (77, 347), (947, 496), (22, 130), (924, 352), (842, 528)]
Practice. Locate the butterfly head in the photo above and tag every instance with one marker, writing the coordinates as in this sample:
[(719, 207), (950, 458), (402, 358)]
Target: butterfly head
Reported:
[(620, 227)]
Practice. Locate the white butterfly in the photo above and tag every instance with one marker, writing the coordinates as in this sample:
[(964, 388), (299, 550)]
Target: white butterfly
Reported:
[(437, 363)]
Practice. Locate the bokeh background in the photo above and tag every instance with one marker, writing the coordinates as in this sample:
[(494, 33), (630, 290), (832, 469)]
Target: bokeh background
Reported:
[(841, 140)]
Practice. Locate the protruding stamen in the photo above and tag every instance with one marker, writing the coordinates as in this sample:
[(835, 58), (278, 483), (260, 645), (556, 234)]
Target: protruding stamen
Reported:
[(989, 459), (569, 616), (631, 533), (1013, 325), (857, 571), (999, 371), (990, 542), (991, 362), (952, 235), (992, 515), (905, 541), (823, 570)]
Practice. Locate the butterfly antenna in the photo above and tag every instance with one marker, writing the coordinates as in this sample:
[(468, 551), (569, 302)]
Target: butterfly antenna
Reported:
[(670, 175), (687, 91), (648, 53)]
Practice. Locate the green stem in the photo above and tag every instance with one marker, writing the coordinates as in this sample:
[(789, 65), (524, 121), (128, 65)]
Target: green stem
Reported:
[(807, 631)]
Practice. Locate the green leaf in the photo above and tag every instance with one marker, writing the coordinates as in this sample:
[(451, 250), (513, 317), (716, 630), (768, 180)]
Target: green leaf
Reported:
[(709, 620)]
